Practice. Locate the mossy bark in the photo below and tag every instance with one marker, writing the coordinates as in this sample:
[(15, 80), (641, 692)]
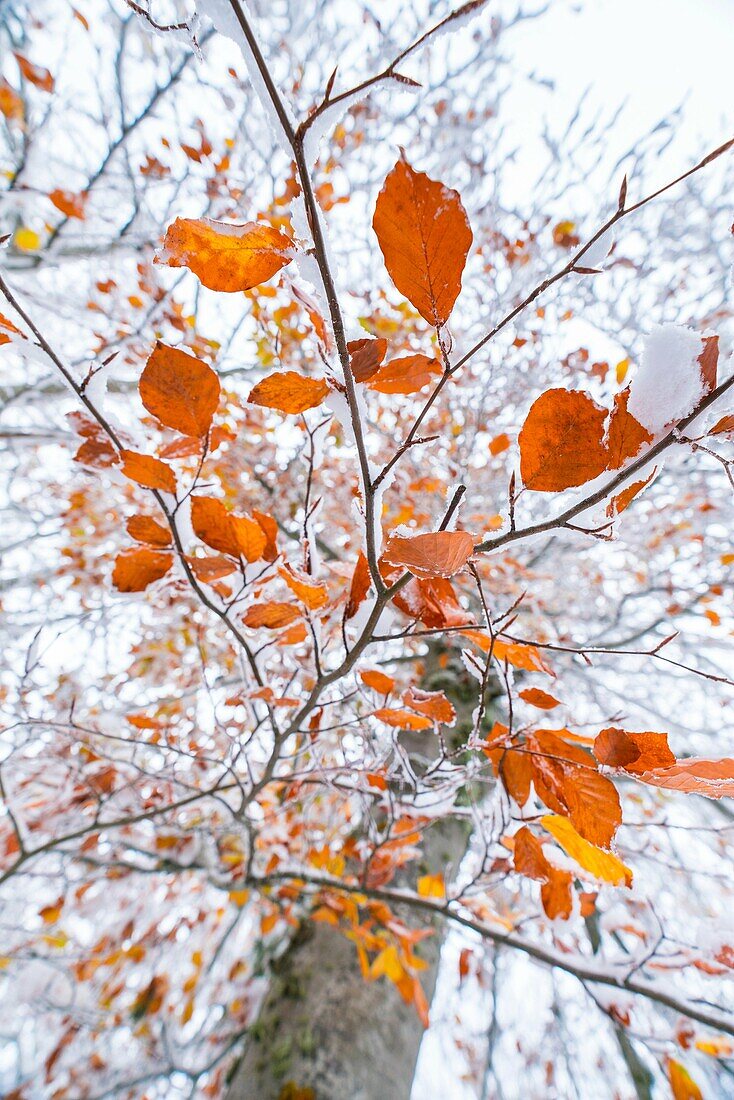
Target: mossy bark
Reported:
[(323, 1032)]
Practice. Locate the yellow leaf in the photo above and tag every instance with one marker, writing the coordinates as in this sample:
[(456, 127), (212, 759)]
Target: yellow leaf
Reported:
[(718, 1047), (431, 886), (239, 897), (602, 865), (27, 240)]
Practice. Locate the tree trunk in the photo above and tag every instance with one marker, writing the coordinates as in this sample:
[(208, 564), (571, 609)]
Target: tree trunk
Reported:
[(322, 1027)]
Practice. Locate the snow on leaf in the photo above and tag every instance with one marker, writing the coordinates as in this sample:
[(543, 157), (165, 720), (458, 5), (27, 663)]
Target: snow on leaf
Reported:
[(225, 257)]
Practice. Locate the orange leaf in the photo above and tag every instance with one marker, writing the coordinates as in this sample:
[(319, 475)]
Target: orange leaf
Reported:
[(70, 203), (271, 615), (250, 537), (438, 554), (302, 586), (226, 257), (365, 357), (147, 471), (712, 778), (424, 235), (11, 104), (289, 392), (541, 699), (433, 704), (270, 527), (499, 444), (211, 568), (622, 500), (212, 523), (625, 435), (723, 426), (681, 1083), (148, 530), (635, 752), (136, 569), (403, 719), (562, 441), (377, 680), (359, 587), (180, 390), (408, 374), (36, 74)]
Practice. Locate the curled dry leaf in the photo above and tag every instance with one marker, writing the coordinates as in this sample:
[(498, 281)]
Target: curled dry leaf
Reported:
[(136, 569), (359, 587), (148, 471), (424, 235), (148, 530), (600, 864), (289, 392), (406, 375), (437, 554), (179, 390), (226, 257), (530, 860), (365, 357)]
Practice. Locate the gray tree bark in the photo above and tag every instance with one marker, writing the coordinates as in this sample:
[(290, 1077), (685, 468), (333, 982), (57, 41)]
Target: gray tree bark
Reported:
[(323, 1032)]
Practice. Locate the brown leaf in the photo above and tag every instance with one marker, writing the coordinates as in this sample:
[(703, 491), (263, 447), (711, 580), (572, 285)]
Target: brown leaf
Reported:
[(365, 357), (437, 554), (406, 375), (180, 390), (148, 530), (424, 235), (226, 257), (622, 500), (136, 569), (147, 471), (289, 392), (562, 441), (359, 587), (211, 568), (708, 362)]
